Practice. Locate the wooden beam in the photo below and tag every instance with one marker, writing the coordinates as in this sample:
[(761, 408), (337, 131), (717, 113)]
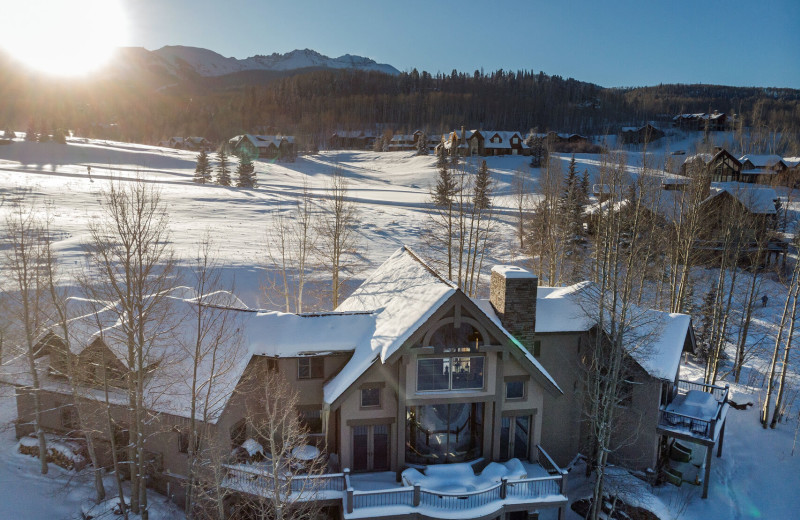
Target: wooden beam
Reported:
[(709, 451), (721, 439)]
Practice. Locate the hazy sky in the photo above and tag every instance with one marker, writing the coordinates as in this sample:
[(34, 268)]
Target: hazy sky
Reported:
[(612, 43)]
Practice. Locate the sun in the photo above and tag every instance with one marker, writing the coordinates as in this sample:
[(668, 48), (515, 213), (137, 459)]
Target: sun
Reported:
[(62, 37)]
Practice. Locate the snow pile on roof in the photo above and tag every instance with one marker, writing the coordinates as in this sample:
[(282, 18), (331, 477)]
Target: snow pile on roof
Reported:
[(791, 162), (404, 292), (558, 309), (512, 271), (757, 199)]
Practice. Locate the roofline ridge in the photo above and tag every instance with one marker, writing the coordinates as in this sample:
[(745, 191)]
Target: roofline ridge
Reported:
[(430, 269)]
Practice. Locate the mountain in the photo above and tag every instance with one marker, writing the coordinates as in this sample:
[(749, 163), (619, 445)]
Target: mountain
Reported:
[(205, 62)]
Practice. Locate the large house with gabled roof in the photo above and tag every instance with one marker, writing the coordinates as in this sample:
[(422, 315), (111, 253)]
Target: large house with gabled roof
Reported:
[(411, 378)]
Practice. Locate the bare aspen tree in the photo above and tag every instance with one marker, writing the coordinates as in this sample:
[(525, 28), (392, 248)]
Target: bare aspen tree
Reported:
[(133, 264), (61, 316), (272, 417), (290, 245), (687, 215), (619, 246), (212, 350), (520, 188), (23, 263), (338, 239), (783, 341), (548, 239)]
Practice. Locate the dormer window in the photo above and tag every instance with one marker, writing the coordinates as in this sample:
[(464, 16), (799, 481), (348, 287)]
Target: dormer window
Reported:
[(311, 368)]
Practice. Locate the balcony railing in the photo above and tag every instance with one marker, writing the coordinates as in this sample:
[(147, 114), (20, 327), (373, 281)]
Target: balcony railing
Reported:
[(548, 490), (705, 426)]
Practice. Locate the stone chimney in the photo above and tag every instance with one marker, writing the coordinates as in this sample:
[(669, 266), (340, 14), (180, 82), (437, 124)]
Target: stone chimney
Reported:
[(463, 135), (513, 297)]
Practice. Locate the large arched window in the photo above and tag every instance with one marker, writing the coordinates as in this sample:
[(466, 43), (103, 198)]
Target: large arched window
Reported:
[(444, 433)]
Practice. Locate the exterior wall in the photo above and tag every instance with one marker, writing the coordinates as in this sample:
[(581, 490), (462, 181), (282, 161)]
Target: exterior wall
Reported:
[(637, 424), (563, 414)]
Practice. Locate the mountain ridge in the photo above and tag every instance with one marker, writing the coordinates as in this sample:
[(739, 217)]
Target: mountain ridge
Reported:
[(208, 63)]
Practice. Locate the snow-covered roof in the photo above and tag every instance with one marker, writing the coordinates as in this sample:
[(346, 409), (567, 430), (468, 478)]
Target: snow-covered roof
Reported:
[(403, 292), (705, 157), (505, 138), (757, 199), (762, 160), (655, 339), (791, 162), (263, 141)]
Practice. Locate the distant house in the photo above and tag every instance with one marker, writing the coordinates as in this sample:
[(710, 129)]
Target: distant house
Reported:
[(721, 166), (700, 121), (352, 140), (196, 143), (405, 142), (638, 135), (280, 147), (484, 142), (761, 168), (177, 142)]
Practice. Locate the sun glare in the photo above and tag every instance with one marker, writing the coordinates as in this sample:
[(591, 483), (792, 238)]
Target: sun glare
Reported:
[(61, 37)]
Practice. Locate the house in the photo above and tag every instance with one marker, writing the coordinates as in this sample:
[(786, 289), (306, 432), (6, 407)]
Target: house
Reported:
[(411, 376), (640, 135), (276, 147), (405, 142), (197, 143), (352, 140), (761, 168), (720, 166), (484, 143), (701, 121)]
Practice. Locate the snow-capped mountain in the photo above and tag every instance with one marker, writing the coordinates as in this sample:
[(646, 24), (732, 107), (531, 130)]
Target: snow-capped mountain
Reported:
[(209, 63)]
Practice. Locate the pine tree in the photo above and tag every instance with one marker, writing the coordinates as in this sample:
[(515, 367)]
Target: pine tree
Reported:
[(30, 134), (8, 133), (202, 172), (482, 190), (59, 136), (44, 137), (377, 145), (422, 144), (245, 172), (223, 171), (441, 157), (584, 189)]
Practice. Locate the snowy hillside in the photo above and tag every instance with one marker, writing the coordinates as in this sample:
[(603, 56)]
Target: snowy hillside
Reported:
[(209, 63)]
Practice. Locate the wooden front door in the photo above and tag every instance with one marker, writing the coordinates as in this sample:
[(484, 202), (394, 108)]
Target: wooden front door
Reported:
[(371, 447)]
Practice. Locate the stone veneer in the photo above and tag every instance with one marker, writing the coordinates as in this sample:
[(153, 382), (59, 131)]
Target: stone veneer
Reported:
[(513, 296)]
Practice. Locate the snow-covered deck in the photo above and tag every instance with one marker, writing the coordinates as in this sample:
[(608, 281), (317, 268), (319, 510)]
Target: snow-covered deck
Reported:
[(376, 495), (696, 413)]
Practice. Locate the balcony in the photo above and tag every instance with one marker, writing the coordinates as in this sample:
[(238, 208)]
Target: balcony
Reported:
[(696, 412), (375, 495)]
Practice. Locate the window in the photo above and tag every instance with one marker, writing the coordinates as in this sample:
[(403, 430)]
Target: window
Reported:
[(310, 368), (69, 418), (515, 389), (370, 397), (444, 433), (514, 433), (450, 373), (311, 419)]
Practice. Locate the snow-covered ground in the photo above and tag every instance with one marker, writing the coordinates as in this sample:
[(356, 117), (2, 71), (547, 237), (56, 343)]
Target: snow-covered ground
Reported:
[(757, 477)]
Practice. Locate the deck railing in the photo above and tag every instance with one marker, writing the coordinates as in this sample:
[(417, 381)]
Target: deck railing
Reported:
[(701, 426), (257, 481)]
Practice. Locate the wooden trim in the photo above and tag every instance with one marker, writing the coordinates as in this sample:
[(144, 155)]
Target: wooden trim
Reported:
[(377, 384), (370, 422), (522, 377), (524, 411), (450, 400)]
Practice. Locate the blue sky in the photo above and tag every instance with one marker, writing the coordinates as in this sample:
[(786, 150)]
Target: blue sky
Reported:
[(612, 43)]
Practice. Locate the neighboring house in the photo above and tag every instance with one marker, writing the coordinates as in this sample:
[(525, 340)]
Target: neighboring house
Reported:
[(352, 140), (280, 147), (177, 142), (640, 135), (405, 142), (197, 143), (409, 372), (701, 121), (720, 166), (484, 143), (762, 168)]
